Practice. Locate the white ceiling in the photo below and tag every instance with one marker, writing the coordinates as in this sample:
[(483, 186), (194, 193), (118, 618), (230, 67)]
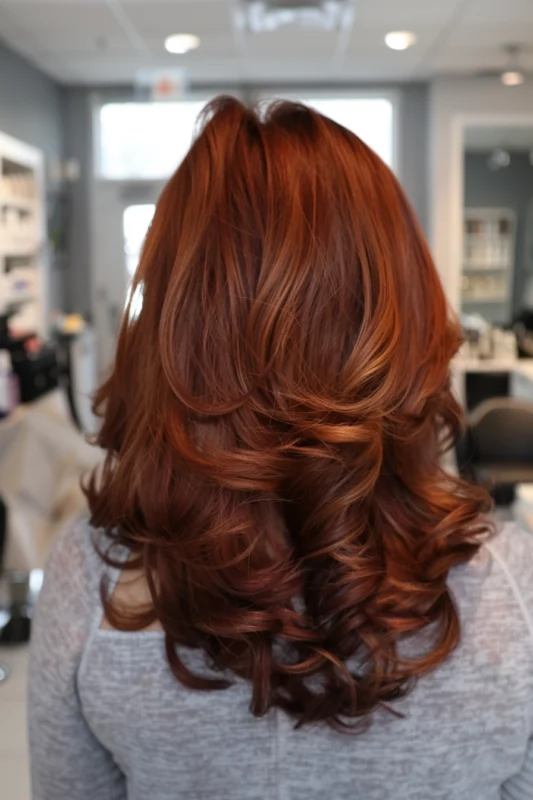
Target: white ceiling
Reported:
[(109, 41)]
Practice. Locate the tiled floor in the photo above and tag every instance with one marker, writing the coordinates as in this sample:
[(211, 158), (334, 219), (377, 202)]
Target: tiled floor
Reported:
[(14, 771)]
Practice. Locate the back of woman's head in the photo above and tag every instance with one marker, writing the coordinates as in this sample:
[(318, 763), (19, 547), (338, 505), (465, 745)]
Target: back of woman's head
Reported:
[(275, 418)]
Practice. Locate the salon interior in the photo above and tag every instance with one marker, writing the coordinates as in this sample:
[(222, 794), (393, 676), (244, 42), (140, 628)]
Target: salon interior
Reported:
[(98, 105)]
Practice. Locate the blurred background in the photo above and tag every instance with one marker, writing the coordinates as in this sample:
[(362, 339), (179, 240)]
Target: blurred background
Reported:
[(98, 103)]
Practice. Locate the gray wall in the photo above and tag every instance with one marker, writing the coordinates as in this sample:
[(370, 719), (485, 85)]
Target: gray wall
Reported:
[(511, 187), (31, 104), (78, 128), (414, 148)]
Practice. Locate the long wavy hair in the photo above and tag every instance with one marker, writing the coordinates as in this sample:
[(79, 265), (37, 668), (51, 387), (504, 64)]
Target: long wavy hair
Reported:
[(275, 419)]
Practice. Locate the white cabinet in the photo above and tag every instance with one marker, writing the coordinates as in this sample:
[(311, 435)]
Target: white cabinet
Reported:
[(23, 256), (488, 262)]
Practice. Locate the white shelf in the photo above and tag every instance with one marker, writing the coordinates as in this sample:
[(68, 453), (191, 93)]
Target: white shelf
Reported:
[(484, 300), (19, 249), (498, 268), (489, 236), (27, 204), (21, 300), (23, 233)]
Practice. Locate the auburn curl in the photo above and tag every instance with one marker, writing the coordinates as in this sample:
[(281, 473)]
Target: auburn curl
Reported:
[(275, 419)]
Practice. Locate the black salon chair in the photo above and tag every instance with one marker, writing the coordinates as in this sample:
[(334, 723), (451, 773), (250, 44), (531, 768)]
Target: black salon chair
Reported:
[(496, 450)]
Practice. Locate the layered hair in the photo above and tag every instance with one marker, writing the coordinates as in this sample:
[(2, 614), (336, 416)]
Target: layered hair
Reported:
[(275, 419)]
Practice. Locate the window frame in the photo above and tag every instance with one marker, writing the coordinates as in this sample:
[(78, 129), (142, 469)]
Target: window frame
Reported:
[(100, 100), (253, 95)]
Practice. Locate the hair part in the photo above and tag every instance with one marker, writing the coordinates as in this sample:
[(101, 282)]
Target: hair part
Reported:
[(275, 419)]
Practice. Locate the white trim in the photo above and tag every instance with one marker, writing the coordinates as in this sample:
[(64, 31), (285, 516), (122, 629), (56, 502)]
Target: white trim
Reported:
[(513, 585), (452, 270), (16, 150)]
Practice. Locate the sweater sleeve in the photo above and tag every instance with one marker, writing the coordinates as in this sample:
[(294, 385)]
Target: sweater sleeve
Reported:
[(513, 554), (67, 762)]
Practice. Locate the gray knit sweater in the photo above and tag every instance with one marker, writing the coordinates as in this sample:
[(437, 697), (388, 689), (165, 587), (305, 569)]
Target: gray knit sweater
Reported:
[(109, 722)]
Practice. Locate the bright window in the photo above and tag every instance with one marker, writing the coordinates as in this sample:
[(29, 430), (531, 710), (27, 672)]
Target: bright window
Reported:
[(371, 118), (149, 140), (145, 140), (136, 222)]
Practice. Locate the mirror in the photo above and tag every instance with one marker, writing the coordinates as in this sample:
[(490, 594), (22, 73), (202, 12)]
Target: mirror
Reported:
[(497, 263)]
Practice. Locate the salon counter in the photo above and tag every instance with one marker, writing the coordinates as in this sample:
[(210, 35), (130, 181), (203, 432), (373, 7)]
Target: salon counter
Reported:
[(520, 371)]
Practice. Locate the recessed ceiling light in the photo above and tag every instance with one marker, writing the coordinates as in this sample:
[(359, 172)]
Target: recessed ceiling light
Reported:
[(400, 40), (512, 77), (181, 43)]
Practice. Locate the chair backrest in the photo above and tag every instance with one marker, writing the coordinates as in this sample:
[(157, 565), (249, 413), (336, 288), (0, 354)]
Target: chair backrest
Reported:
[(501, 432)]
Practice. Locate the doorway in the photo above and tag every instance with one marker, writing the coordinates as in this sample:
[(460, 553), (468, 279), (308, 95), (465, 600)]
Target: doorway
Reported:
[(122, 213)]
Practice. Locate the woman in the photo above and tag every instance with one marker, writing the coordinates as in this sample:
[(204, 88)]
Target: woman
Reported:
[(275, 558)]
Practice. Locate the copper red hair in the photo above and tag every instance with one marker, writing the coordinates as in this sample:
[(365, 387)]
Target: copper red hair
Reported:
[(275, 419)]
